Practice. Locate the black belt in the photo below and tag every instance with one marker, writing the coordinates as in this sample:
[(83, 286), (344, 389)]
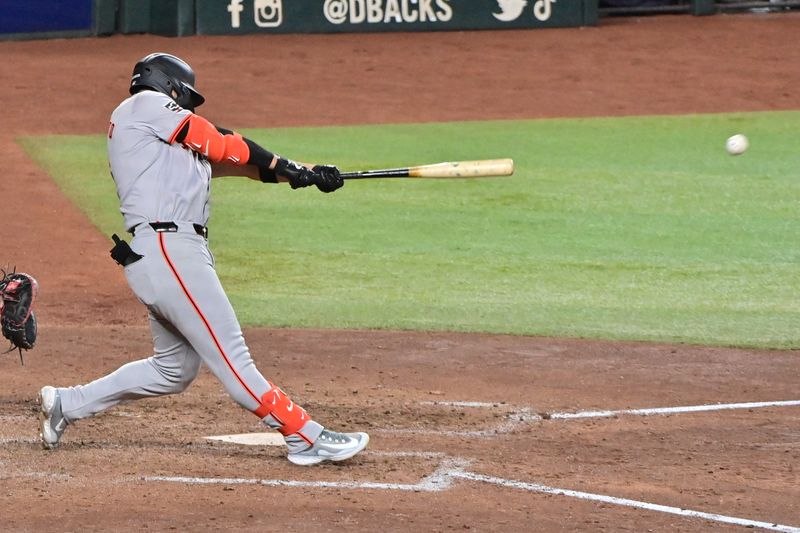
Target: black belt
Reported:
[(172, 227)]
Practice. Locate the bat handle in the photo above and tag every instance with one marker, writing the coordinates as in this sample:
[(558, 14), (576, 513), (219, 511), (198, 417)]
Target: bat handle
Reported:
[(387, 173)]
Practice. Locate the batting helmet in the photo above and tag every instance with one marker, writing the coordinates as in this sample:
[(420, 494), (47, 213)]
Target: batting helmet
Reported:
[(167, 74)]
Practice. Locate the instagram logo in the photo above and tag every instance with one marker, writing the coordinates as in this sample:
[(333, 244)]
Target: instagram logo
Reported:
[(268, 13)]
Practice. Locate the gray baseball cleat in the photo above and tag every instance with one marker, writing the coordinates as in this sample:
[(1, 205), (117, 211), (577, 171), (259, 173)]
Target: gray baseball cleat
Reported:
[(330, 446), (52, 419)]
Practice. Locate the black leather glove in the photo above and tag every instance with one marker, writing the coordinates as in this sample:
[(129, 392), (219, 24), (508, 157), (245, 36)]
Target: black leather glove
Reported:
[(328, 178), (297, 174)]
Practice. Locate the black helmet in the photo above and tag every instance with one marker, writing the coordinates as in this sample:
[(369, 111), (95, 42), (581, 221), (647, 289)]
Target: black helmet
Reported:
[(169, 75)]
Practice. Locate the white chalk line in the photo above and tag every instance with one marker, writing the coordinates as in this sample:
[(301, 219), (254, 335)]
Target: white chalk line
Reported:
[(625, 502), (439, 480), (405, 454), (675, 410), (43, 475), (442, 479), (524, 415), (462, 404), (261, 438), (19, 440)]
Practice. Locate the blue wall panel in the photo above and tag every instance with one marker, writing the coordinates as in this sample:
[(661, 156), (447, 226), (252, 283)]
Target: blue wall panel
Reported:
[(30, 16)]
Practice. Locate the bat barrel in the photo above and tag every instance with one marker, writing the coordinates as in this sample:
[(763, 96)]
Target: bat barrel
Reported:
[(457, 169), (465, 169)]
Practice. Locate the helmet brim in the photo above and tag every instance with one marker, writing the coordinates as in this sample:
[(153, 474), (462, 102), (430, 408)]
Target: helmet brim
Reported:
[(197, 98)]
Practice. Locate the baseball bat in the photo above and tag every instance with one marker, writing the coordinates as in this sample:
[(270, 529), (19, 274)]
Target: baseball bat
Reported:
[(455, 169)]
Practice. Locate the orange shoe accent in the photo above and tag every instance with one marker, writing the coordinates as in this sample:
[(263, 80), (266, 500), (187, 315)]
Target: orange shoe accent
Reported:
[(290, 416)]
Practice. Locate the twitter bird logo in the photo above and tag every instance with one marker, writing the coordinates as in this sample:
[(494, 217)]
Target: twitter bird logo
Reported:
[(511, 9)]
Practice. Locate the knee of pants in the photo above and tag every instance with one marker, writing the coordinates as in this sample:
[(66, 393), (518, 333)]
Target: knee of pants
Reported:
[(177, 374)]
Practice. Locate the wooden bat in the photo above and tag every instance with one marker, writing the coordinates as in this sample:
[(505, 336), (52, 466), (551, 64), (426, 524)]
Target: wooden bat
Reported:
[(456, 169)]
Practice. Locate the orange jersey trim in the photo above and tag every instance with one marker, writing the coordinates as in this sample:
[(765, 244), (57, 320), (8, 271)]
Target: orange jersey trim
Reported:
[(206, 323), (177, 130), (274, 402)]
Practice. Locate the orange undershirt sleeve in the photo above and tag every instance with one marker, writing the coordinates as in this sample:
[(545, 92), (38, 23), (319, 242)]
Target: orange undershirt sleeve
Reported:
[(203, 138)]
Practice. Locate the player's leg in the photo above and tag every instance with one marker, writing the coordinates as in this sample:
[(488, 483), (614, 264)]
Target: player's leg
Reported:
[(198, 306), (192, 298), (170, 370)]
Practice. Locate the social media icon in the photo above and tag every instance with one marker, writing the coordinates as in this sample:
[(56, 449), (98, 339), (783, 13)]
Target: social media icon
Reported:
[(268, 13), (235, 8), (542, 9), (510, 9)]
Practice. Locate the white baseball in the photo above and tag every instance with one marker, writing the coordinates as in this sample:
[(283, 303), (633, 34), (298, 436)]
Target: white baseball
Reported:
[(736, 144)]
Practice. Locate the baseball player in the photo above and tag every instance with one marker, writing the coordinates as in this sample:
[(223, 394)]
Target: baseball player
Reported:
[(162, 157)]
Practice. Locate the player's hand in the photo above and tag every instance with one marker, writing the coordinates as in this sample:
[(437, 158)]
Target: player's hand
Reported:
[(297, 174), (328, 178), (304, 177)]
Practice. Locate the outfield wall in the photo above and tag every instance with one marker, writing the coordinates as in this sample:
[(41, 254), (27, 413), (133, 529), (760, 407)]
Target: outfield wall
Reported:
[(329, 16), (48, 18), (27, 19), (32, 19)]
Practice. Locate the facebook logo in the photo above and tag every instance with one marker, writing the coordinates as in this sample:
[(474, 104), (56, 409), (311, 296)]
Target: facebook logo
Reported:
[(266, 13), (235, 8)]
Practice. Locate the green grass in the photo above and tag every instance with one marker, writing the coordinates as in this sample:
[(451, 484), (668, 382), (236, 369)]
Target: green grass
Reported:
[(620, 228)]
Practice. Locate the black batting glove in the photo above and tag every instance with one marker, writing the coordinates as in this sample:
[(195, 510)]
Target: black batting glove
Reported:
[(328, 178), (298, 175)]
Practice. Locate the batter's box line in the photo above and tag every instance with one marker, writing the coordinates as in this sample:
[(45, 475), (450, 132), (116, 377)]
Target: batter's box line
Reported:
[(524, 415), (19, 440), (451, 469), (439, 480)]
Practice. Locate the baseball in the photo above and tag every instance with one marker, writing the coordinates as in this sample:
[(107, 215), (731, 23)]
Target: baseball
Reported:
[(736, 144)]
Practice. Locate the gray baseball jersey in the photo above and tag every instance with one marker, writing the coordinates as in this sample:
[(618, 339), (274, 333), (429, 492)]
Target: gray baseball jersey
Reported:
[(192, 321), (156, 179)]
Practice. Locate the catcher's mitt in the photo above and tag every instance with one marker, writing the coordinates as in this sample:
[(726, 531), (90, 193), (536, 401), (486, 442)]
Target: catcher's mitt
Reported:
[(17, 293)]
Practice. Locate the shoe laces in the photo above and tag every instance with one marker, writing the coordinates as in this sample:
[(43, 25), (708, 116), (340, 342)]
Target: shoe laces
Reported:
[(334, 437)]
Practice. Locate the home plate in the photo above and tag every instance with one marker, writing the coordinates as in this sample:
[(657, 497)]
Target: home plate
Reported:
[(252, 439)]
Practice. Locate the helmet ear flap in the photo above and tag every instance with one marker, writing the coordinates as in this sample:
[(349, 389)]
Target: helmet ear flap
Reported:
[(174, 92), (183, 97)]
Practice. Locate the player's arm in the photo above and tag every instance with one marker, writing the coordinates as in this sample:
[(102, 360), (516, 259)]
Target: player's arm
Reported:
[(258, 159), (223, 170), (228, 148)]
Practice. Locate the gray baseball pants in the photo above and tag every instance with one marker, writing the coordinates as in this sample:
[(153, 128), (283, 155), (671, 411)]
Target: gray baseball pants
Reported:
[(192, 321)]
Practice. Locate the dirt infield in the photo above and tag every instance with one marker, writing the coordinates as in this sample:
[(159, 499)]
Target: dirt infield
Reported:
[(468, 431)]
